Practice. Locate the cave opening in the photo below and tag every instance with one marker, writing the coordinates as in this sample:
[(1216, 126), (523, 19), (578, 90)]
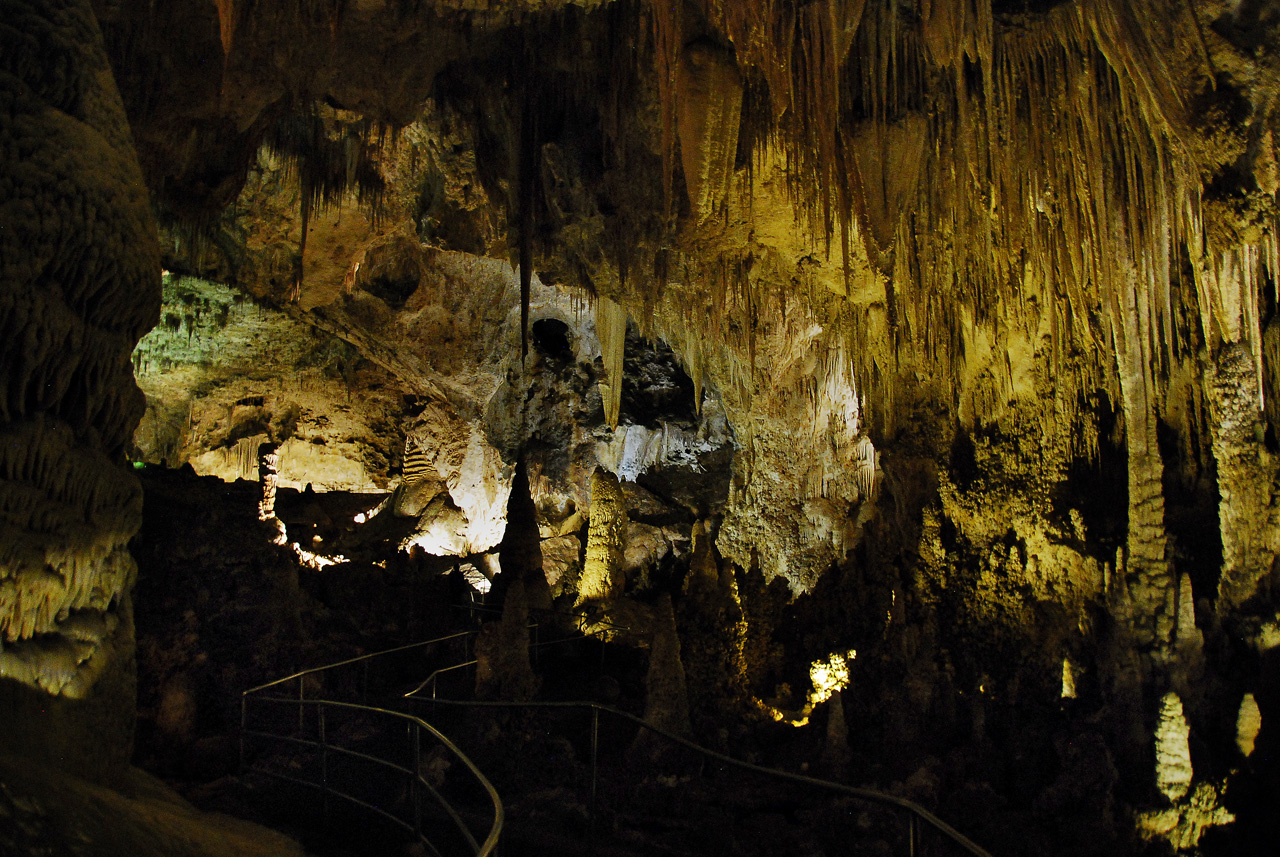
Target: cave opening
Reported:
[(655, 387), (1099, 488), (1191, 510), (392, 290), (551, 339)]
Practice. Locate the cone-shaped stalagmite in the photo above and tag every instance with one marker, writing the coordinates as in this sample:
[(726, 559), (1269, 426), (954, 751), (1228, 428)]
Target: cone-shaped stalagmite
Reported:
[(666, 698)]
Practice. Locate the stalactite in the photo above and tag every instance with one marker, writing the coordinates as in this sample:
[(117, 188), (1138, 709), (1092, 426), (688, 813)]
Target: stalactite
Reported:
[(668, 39), (227, 22), (707, 120), (611, 331), (67, 517), (528, 170), (329, 158)]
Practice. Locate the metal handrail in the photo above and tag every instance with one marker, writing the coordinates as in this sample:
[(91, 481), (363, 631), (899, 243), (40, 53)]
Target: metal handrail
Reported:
[(917, 813), (432, 678), (416, 724), (323, 744), (367, 657)]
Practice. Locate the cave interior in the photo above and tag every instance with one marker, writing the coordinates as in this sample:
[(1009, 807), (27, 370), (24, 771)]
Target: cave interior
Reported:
[(883, 392)]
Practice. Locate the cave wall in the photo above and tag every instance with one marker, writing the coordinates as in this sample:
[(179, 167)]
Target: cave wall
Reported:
[(79, 284)]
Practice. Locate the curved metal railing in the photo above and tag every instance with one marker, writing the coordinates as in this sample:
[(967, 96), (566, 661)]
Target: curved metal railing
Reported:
[(316, 734), (364, 660), (916, 814), (342, 759)]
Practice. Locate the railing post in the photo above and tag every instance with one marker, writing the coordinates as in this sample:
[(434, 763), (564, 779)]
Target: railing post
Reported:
[(913, 834), (302, 708), (244, 724), (324, 760), (595, 751), (415, 788)]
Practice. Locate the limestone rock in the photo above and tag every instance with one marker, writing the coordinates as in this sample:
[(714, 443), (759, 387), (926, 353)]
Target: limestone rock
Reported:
[(561, 562), (643, 547), (52, 812), (79, 268), (223, 375), (983, 298), (602, 576), (1173, 755), (1248, 725)]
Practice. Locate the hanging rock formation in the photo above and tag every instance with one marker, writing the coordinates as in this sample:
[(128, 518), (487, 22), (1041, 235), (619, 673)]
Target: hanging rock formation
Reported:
[(79, 284)]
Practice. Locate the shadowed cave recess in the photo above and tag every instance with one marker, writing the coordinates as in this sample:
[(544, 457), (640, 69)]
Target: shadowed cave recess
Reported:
[(880, 391)]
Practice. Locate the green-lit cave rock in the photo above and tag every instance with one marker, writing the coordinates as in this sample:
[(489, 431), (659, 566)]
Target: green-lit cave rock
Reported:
[(885, 391)]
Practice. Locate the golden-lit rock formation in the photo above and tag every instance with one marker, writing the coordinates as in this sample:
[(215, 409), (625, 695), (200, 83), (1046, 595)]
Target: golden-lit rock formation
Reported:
[(977, 304), (602, 579)]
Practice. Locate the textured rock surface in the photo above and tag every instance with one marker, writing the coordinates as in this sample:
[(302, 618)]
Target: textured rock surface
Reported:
[(50, 812), (603, 575), (79, 270), (1173, 751), (223, 376)]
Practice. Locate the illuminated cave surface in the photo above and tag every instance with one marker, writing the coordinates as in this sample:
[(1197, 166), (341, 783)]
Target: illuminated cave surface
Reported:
[(881, 391)]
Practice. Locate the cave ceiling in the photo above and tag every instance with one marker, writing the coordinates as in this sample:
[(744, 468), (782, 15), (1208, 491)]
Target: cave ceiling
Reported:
[(847, 219)]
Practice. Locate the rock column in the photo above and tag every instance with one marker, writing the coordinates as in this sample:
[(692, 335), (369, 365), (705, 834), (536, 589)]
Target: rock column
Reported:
[(79, 285)]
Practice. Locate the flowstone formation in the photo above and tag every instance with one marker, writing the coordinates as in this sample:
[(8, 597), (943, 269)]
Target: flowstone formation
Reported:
[(223, 376), (79, 270)]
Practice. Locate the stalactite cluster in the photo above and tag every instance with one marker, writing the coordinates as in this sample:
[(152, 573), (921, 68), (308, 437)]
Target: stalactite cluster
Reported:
[(985, 293)]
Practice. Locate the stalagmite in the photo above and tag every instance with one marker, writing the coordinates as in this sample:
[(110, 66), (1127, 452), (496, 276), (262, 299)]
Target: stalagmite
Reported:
[(1248, 725), (835, 751), (666, 698), (520, 551), (503, 670), (268, 476), (1173, 753), (1068, 679), (1188, 635), (602, 576), (1248, 484), (1149, 581)]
